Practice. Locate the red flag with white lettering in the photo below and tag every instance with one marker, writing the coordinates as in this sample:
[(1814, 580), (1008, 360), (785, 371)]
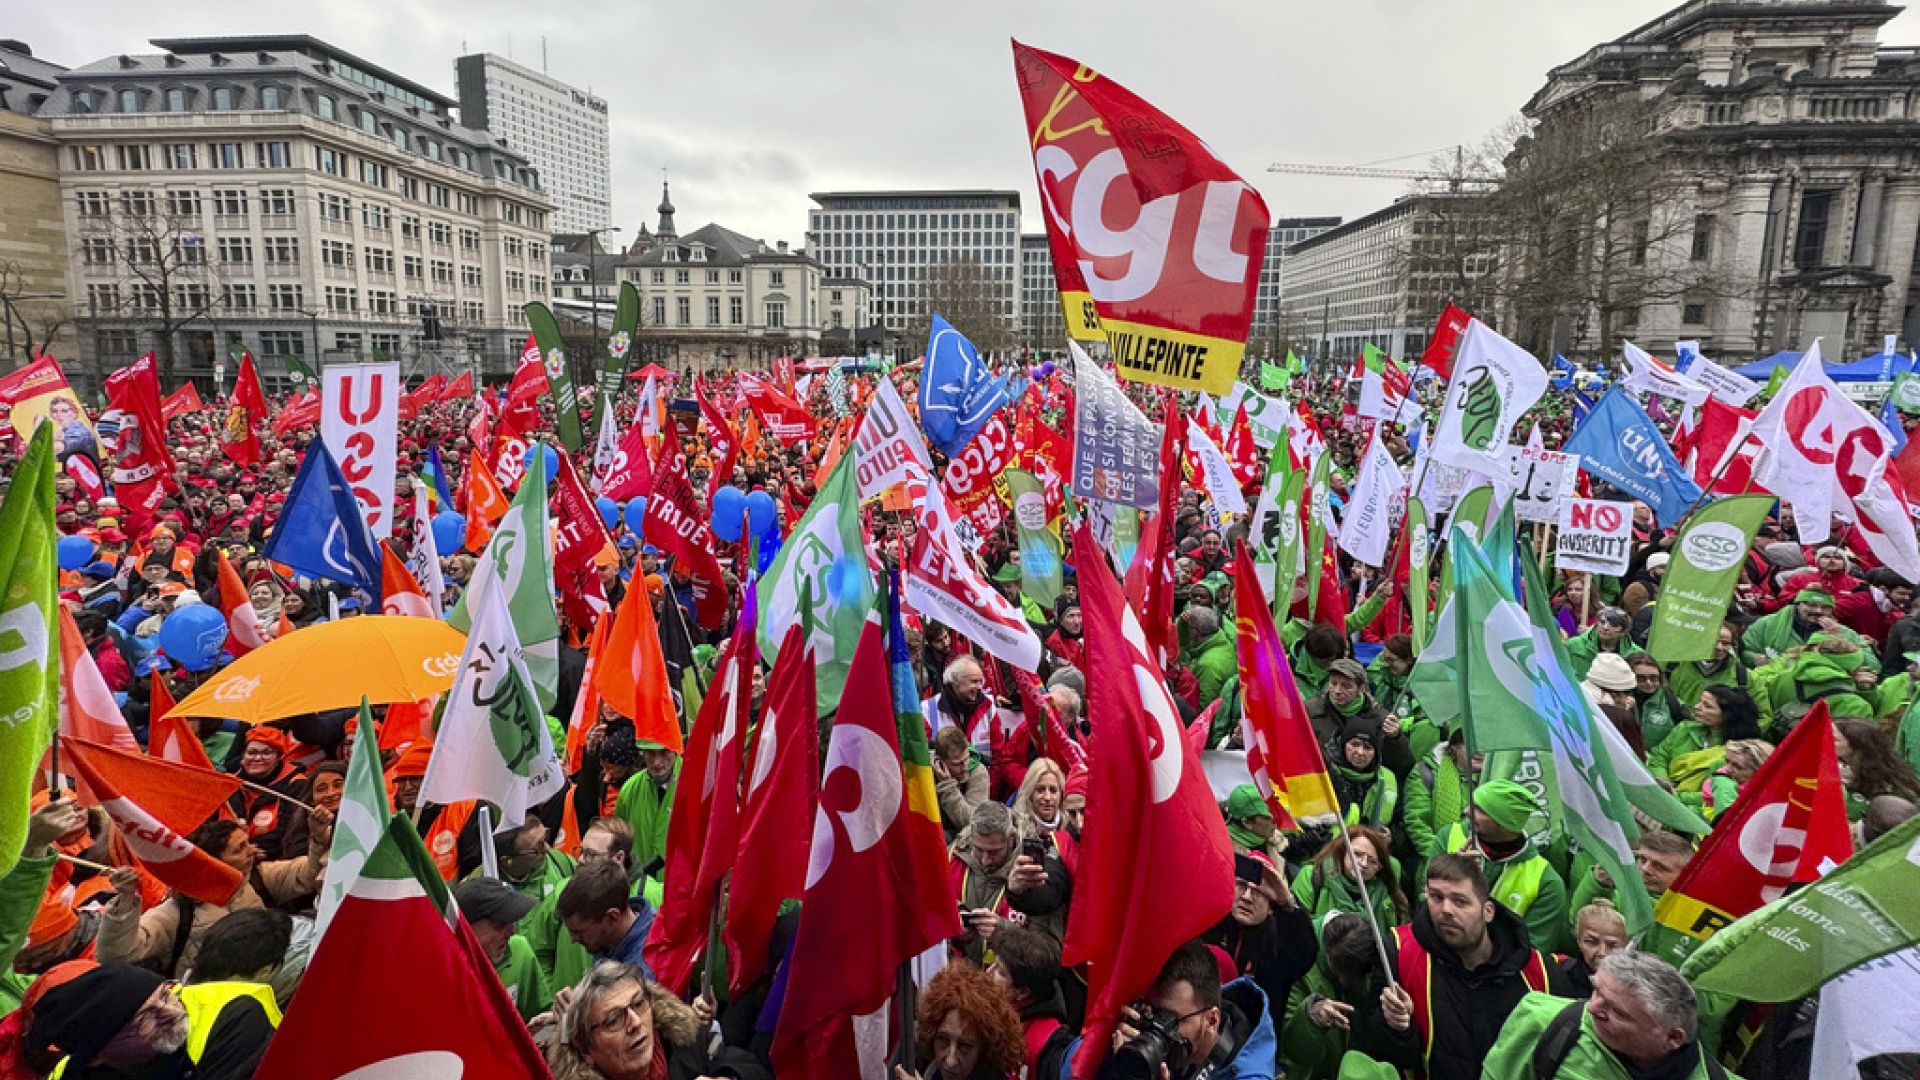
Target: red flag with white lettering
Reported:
[(156, 803), (723, 441), (631, 476), (677, 525), (789, 420)]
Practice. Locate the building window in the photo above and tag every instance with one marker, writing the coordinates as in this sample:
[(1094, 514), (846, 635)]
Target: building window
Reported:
[(713, 311), (129, 101), (1810, 238), (226, 155), (470, 276), (776, 313), (97, 251), (270, 98), (342, 298), (283, 343), (682, 311), (659, 311), (337, 254), (733, 277), (119, 344), (238, 297), (283, 297), (736, 311), (223, 98), (103, 298), (1702, 237), (136, 157), (713, 277), (236, 250), (324, 106), (181, 155), (412, 267), (658, 277), (277, 202), (1693, 313), (335, 208), (776, 279), (329, 161), (89, 158), (682, 277), (379, 260), (348, 344), (834, 296), (375, 216), (283, 250), (183, 204), (275, 155), (372, 173), (176, 100)]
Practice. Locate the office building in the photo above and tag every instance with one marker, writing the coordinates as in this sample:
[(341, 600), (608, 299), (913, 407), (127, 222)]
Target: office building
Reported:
[(1285, 233), (280, 193), (1043, 324), (561, 129), (913, 245)]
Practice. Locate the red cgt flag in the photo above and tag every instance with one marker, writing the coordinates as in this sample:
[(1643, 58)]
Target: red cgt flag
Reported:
[(862, 916), (631, 474), (1152, 798), (181, 402), (459, 388), (702, 831), (788, 419), (1788, 825), (776, 818), (156, 803)]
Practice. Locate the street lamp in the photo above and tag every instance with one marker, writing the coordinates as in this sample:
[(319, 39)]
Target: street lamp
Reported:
[(314, 321)]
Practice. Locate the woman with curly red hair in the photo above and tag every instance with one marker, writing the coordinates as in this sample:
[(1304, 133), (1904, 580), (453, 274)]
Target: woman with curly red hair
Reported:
[(967, 1029)]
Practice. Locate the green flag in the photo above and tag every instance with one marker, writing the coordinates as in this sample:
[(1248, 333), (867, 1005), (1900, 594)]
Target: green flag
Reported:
[(1273, 376), (1265, 528), (1319, 495), (1774, 382), (1419, 550), (1479, 634), (1867, 908), (1708, 556), (619, 358), (560, 391), (828, 547), (1040, 571), (521, 555), (359, 824), (1470, 514), (297, 370), (29, 653)]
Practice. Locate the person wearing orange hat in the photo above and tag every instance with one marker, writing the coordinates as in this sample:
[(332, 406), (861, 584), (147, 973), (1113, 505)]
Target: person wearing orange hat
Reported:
[(446, 830), (264, 763), (23, 887)]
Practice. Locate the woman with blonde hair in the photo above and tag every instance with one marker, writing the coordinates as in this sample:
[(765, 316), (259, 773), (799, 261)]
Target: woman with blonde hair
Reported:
[(1036, 809), (1598, 930), (1743, 758)]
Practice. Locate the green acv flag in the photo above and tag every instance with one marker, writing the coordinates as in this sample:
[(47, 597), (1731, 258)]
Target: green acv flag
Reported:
[(1469, 514), (1419, 551), (559, 367), (1288, 555), (1040, 570), (1865, 909), (619, 358), (299, 372), (1319, 495), (1482, 641), (827, 548), (1708, 556), (1273, 376), (521, 555), (29, 636)]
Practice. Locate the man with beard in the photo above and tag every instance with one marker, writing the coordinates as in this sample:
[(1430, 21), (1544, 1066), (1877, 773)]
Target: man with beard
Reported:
[(1461, 966), (122, 1021)]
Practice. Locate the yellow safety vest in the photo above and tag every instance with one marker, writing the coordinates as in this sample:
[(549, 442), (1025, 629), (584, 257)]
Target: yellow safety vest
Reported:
[(203, 1002), (1518, 885)]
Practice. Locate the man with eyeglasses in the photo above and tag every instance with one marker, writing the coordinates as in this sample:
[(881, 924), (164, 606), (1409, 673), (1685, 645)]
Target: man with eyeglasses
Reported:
[(118, 1020), (1656, 706), (1724, 668)]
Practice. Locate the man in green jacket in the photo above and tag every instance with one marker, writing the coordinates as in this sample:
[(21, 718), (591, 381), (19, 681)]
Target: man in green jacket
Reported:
[(1607, 634), (494, 911), (23, 887), (646, 801), (1641, 1021), (1210, 657), (1771, 636), (530, 866), (1689, 678)]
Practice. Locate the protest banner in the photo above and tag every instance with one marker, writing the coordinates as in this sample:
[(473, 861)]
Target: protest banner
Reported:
[(1542, 479), (1708, 556), (39, 390), (1595, 535), (969, 478), (887, 448), (1116, 451), (360, 423)]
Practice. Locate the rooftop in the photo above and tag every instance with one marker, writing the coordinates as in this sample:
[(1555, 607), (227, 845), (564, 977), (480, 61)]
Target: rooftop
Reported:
[(304, 44)]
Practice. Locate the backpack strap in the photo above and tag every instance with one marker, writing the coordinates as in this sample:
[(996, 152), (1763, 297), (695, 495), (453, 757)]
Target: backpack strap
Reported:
[(186, 905), (1556, 1041)]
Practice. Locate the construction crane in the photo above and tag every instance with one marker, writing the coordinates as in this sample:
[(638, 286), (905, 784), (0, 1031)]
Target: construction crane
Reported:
[(1373, 172)]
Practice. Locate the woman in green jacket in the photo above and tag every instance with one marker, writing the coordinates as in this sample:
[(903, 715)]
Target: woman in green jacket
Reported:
[(1322, 1007), (1368, 794), (1697, 746), (1327, 884)]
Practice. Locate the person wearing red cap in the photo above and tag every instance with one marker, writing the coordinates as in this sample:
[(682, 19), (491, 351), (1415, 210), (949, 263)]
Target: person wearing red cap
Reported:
[(263, 761)]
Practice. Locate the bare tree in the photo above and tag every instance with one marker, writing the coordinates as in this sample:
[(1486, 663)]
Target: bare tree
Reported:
[(33, 318), (171, 280), (964, 291)]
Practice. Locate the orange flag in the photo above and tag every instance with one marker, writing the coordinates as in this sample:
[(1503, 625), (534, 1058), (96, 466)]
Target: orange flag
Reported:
[(586, 703), (631, 674), (400, 594), (485, 504), (171, 738), (404, 723), (244, 632), (87, 708), (160, 696), (156, 803)]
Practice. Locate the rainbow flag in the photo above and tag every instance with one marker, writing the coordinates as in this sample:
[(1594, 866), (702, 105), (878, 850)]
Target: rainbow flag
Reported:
[(916, 758), (438, 496)]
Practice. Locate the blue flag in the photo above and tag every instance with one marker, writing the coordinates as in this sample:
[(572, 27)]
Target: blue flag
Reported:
[(958, 395), (1564, 380), (322, 532), (1582, 408), (1619, 444)]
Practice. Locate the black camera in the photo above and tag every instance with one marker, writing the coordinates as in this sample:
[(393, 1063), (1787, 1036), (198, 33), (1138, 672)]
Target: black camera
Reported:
[(1158, 1042)]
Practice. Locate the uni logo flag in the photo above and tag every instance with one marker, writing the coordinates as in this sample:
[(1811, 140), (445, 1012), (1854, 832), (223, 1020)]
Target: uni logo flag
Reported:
[(957, 392), (1174, 290), (322, 533)]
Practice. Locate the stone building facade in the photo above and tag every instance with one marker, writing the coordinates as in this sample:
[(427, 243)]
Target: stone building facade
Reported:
[(36, 308)]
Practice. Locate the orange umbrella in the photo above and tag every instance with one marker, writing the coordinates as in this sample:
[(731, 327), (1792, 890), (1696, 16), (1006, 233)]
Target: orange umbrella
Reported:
[(383, 658)]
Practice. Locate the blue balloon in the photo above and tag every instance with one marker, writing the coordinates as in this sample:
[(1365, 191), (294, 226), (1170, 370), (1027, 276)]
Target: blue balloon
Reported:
[(546, 454), (449, 531), (609, 511), (761, 514), (192, 636), (636, 515), (74, 552), (729, 508), (769, 551)]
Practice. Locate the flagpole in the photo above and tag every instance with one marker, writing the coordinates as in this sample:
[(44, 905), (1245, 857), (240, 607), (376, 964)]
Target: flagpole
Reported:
[(1366, 903), (87, 864), (264, 790), (489, 854), (1733, 454)]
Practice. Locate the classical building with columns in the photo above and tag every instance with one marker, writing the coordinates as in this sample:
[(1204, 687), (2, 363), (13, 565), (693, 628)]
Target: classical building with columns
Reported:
[(1799, 135)]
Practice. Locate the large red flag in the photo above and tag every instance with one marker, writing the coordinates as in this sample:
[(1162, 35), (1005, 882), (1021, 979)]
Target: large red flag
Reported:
[(245, 410), (399, 988), (1721, 429), (862, 916), (244, 632), (181, 402), (459, 388), (703, 830), (301, 411), (631, 475), (630, 672), (677, 524), (142, 464), (789, 420), (776, 818), (155, 803), (1149, 797), (722, 440), (87, 707), (1282, 753), (1788, 825)]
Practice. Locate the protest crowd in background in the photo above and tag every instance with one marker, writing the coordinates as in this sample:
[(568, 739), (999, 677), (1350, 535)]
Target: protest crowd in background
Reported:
[(1174, 714)]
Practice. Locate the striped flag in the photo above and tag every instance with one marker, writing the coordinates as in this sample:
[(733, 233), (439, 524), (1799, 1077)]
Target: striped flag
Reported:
[(1281, 751)]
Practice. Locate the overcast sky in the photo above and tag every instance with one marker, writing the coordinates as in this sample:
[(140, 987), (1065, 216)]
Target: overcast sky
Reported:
[(753, 104)]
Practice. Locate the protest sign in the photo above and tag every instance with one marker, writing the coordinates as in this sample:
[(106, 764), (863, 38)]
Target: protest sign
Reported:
[(1116, 453), (887, 448), (360, 423), (1595, 536), (1541, 480)]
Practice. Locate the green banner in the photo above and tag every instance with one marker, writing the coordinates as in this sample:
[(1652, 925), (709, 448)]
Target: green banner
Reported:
[(1319, 490), (619, 359), (1040, 571), (302, 375), (29, 637), (1419, 551), (1286, 557), (560, 391), (1469, 515), (1708, 556), (1867, 908)]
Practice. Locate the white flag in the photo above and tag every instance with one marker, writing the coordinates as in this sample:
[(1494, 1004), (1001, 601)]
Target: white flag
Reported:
[(1826, 456), (1216, 473), (650, 409), (493, 742), (1646, 373), (357, 827), (1494, 382), (1866, 1012), (888, 448), (423, 561), (606, 448), (942, 584), (1378, 495)]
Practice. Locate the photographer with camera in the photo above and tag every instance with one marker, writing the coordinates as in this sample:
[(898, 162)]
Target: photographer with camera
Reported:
[(1190, 1027)]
